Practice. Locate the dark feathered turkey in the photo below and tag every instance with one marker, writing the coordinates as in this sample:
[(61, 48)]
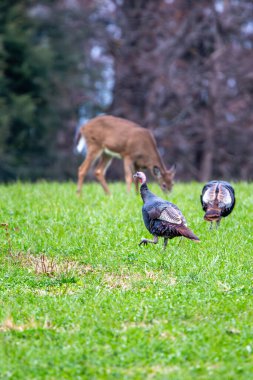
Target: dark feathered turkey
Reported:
[(161, 218), (218, 200)]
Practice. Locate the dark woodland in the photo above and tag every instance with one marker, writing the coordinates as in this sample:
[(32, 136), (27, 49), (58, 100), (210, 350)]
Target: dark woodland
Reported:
[(182, 68)]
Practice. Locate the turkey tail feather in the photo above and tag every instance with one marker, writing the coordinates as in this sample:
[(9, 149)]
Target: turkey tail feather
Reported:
[(212, 214), (186, 232)]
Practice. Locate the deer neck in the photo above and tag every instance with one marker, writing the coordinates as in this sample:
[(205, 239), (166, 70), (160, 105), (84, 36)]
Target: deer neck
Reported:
[(158, 169)]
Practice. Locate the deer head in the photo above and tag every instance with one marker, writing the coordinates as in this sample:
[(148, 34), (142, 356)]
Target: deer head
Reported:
[(165, 177)]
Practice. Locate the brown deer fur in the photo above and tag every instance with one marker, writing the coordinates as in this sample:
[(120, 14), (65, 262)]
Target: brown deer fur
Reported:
[(108, 136)]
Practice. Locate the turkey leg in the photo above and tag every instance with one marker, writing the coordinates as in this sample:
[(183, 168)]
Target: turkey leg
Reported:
[(146, 241)]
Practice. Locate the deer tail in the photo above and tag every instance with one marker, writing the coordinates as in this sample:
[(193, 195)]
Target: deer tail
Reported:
[(80, 142)]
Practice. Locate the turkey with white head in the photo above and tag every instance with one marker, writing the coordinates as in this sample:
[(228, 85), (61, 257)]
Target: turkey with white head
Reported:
[(218, 200), (161, 218)]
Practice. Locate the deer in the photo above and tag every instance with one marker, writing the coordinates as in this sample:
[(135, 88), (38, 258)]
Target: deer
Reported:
[(106, 137)]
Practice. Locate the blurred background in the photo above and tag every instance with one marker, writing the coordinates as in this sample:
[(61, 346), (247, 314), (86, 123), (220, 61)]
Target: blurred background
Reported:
[(183, 68)]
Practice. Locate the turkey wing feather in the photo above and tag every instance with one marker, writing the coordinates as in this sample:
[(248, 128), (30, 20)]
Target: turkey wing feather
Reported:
[(224, 196), (168, 213), (209, 195)]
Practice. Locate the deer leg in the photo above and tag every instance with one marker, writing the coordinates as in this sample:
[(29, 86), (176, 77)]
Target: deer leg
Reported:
[(136, 187), (84, 167), (146, 241), (136, 169), (128, 168), (103, 164), (136, 183)]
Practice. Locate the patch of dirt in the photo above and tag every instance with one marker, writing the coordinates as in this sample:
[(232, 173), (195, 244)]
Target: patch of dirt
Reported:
[(41, 264)]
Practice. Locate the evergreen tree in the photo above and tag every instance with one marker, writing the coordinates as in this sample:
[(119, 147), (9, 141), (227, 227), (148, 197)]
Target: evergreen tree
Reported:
[(25, 69), (42, 64)]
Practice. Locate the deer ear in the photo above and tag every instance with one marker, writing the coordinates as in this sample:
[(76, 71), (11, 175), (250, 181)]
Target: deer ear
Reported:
[(157, 172), (172, 170)]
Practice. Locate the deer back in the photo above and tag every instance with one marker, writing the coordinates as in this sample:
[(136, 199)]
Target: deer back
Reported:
[(109, 132)]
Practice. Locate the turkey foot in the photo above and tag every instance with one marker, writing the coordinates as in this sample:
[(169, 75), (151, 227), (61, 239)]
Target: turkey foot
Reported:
[(146, 241)]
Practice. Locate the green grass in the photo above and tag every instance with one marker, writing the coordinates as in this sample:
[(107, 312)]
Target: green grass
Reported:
[(102, 307)]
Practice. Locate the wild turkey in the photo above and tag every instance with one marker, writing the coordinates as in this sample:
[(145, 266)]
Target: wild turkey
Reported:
[(161, 218), (218, 200)]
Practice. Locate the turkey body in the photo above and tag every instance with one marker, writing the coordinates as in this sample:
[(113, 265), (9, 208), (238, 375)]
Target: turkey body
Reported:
[(218, 200), (162, 218)]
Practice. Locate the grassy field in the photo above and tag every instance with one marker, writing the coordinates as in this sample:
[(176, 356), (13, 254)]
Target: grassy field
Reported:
[(81, 300)]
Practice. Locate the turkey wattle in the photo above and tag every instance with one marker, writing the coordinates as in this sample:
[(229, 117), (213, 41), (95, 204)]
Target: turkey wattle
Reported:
[(218, 200), (161, 218)]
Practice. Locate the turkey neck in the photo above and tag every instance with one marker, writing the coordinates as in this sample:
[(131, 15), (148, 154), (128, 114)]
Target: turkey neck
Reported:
[(145, 192)]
